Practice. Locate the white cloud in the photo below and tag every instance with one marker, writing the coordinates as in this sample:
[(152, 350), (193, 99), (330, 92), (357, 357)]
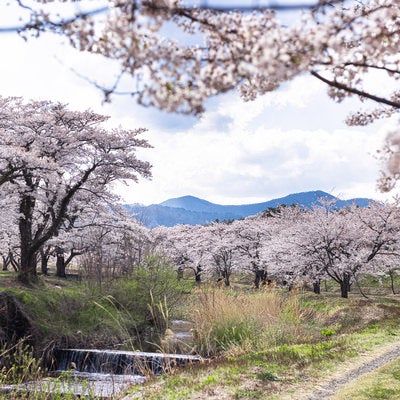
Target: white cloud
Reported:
[(238, 165)]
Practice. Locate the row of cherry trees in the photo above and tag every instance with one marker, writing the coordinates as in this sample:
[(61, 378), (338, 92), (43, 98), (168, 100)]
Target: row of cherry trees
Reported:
[(57, 170), (291, 245), (55, 203)]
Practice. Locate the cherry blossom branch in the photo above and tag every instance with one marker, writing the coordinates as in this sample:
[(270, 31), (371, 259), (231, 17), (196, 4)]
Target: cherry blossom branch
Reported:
[(242, 9), (358, 92), (41, 26), (107, 92), (371, 66)]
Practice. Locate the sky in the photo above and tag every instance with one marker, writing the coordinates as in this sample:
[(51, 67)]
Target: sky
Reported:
[(292, 140)]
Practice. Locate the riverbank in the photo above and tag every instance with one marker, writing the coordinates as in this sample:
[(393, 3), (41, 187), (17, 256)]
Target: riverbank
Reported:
[(259, 344), (120, 313)]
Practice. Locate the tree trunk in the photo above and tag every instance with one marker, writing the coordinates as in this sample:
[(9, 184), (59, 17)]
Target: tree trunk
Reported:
[(391, 276), (27, 271), (264, 277), (44, 259), (60, 263), (180, 273), (345, 286), (13, 262), (225, 277), (260, 277), (43, 264), (197, 274), (6, 261), (317, 287), (227, 281), (257, 279)]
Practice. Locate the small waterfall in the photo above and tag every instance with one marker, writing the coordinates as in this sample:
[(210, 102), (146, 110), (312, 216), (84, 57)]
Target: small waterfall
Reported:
[(106, 373), (117, 362), (100, 373)]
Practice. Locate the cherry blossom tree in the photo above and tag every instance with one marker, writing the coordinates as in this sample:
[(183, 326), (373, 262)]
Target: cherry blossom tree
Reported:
[(252, 236), (110, 247), (182, 244), (281, 254), (101, 229), (219, 242), (49, 156), (211, 50), (383, 224)]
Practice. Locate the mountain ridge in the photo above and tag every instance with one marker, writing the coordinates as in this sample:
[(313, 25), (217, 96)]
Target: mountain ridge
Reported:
[(192, 210)]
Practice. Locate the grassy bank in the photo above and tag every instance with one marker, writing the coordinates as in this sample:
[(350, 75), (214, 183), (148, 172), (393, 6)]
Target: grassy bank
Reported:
[(117, 314), (275, 345), (383, 384)]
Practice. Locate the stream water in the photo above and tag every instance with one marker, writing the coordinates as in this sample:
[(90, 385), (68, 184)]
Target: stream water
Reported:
[(105, 373)]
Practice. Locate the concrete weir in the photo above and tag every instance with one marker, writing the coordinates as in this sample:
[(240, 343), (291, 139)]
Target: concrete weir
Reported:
[(102, 373), (119, 362)]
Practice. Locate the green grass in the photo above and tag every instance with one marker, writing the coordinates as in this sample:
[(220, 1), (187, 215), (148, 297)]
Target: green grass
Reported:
[(277, 371)]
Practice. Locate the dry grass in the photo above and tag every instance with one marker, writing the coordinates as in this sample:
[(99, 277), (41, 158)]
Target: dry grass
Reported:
[(232, 323)]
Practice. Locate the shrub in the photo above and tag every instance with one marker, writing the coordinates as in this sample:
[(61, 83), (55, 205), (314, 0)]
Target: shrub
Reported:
[(152, 294)]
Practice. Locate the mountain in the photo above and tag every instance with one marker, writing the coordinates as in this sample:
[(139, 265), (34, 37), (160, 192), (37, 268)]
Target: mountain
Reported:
[(157, 214), (194, 211)]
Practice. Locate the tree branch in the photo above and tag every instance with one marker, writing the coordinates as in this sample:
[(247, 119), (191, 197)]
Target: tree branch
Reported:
[(41, 25), (361, 93), (182, 11)]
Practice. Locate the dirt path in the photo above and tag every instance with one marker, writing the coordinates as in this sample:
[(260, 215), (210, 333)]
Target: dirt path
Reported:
[(353, 370)]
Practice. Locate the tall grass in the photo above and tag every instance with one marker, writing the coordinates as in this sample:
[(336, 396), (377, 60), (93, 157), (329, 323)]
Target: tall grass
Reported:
[(232, 323), (18, 364), (22, 376)]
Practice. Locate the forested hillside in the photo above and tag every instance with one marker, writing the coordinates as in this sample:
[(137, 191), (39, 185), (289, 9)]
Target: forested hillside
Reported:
[(194, 211)]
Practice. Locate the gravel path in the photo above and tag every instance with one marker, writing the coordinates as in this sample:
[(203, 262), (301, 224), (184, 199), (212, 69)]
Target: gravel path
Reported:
[(355, 370)]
